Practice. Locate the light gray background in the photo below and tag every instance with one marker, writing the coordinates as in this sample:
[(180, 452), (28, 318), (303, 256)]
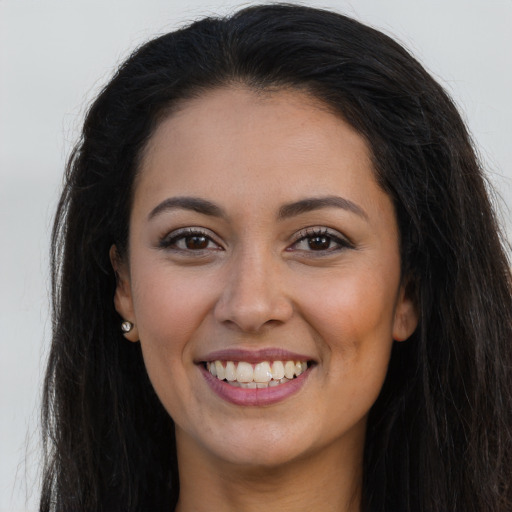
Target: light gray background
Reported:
[(54, 57)]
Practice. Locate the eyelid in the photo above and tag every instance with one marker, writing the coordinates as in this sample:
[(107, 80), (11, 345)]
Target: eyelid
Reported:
[(167, 240), (309, 232), (342, 241)]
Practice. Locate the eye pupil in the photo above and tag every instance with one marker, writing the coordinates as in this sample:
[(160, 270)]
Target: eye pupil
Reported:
[(196, 242), (319, 243)]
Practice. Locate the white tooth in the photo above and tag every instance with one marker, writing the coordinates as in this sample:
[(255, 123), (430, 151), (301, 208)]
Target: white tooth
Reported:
[(221, 374), (273, 383), (298, 368), (235, 384), (262, 385), (262, 372), (284, 381), (230, 371), (248, 385), (304, 366), (277, 370), (244, 372), (212, 369), (289, 369)]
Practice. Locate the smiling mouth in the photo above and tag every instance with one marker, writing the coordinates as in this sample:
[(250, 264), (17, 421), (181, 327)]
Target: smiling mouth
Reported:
[(260, 375)]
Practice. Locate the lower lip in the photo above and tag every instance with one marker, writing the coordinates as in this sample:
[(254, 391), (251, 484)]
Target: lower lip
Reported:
[(254, 397)]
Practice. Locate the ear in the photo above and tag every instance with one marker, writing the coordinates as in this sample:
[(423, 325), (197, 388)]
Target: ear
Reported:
[(406, 312), (123, 297)]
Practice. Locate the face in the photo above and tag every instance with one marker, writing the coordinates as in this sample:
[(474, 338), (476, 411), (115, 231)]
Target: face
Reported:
[(263, 277)]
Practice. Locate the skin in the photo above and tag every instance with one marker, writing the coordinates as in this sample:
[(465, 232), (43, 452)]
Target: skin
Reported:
[(259, 282)]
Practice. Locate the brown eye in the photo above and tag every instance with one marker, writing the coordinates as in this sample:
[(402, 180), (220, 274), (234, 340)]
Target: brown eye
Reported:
[(322, 241), (189, 240), (196, 242), (319, 243)]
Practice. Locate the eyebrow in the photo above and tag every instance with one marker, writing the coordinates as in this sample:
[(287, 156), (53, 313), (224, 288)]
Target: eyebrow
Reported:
[(317, 203), (309, 204), (195, 204)]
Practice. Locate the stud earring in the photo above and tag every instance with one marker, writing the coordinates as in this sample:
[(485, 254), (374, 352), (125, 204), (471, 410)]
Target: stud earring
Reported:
[(126, 327)]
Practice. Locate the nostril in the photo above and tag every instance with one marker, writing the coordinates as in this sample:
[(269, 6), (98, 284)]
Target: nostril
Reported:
[(252, 298), (252, 318)]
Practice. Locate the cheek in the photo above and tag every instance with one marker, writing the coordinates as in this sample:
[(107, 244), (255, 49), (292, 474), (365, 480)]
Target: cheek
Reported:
[(355, 308), (170, 304), (355, 328), (169, 310), (353, 325)]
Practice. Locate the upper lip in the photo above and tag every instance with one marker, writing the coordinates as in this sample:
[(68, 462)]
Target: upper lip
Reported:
[(253, 356)]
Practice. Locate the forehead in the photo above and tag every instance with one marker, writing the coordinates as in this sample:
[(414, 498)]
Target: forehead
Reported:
[(251, 153), (236, 130)]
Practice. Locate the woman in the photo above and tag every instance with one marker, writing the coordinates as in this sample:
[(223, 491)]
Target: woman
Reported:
[(284, 213)]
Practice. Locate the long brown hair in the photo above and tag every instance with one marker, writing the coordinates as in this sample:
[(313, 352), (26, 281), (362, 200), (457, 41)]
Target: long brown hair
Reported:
[(440, 434)]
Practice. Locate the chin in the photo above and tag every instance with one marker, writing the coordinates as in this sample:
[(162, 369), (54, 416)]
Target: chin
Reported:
[(260, 445)]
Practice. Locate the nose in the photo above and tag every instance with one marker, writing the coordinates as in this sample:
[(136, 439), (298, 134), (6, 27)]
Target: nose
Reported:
[(254, 295)]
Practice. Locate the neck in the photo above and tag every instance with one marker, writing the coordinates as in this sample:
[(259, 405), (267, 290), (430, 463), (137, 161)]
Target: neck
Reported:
[(329, 480)]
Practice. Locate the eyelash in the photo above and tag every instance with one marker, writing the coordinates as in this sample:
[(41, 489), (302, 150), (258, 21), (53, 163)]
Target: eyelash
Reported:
[(323, 233), (170, 242)]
